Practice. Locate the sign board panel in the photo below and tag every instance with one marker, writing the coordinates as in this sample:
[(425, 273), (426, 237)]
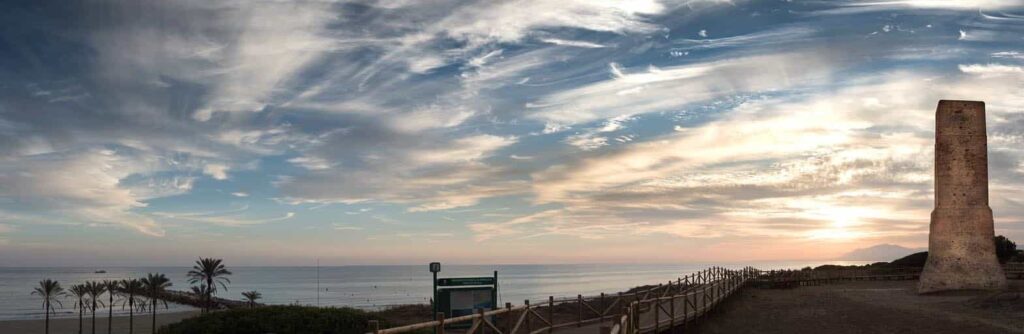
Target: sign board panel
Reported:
[(465, 281), (455, 302)]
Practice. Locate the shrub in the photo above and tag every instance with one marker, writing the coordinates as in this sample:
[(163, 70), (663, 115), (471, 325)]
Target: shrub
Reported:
[(278, 320), (912, 260), (1005, 249)]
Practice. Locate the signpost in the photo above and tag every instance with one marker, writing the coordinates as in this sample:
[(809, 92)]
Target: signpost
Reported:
[(435, 267)]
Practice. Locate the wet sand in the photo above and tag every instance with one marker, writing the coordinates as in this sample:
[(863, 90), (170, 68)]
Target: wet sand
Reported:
[(868, 307), (70, 325)]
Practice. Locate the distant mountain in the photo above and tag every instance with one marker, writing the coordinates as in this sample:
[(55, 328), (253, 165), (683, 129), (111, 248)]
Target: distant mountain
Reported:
[(883, 252)]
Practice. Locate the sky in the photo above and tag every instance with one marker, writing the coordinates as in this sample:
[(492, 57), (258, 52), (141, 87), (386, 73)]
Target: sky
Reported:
[(403, 132)]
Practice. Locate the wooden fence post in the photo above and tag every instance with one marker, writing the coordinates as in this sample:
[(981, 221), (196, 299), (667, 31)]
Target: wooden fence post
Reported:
[(440, 324), (672, 312), (483, 322), (508, 318), (527, 310), (579, 310), (375, 326), (704, 300), (628, 314), (687, 305), (636, 317), (551, 313), (657, 314)]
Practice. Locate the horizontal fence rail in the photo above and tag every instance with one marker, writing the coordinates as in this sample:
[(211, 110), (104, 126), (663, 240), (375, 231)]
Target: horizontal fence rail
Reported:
[(792, 278), (652, 309)]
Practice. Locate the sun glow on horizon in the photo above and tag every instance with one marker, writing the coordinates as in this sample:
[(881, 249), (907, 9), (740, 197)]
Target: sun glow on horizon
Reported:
[(844, 223)]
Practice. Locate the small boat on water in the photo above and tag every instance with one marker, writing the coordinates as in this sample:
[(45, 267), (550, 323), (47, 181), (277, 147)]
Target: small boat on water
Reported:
[(100, 272)]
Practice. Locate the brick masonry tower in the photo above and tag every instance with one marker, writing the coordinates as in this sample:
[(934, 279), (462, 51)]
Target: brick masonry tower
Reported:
[(961, 250)]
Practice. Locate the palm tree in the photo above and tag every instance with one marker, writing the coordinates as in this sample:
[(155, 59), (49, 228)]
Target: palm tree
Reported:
[(209, 271), (111, 287), (81, 292), (132, 289), (95, 289), (155, 285), (49, 290), (252, 296), (201, 291)]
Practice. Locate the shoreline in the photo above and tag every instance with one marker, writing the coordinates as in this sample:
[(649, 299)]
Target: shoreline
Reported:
[(70, 325)]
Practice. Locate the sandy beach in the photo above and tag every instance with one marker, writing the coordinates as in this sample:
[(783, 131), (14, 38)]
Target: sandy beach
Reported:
[(868, 307), (70, 325)]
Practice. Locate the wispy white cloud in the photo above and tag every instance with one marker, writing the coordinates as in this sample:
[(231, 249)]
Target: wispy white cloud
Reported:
[(216, 171), (579, 44), (1008, 54), (991, 69), (661, 89), (943, 4), (223, 218), (311, 163), (828, 165), (441, 176), (273, 42), (87, 186), (345, 227)]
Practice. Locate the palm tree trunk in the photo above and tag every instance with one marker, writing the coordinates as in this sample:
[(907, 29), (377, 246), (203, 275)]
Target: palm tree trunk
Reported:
[(81, 308), (131, 314), (154, 316), (94, 315), (110, 316), (209, 293), (47, 310)]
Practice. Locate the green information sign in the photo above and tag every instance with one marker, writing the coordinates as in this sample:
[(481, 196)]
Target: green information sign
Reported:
[(459, 296), (465, 281), (457, 302)]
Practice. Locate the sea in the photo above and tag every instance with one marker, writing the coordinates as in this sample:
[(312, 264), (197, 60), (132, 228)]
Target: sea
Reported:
[(364, 287)]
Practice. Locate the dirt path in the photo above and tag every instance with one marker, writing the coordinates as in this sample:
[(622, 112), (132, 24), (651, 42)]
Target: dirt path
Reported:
[(868, 307)]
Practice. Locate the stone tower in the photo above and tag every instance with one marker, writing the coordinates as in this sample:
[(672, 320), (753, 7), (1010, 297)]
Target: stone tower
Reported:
[(961, 251)]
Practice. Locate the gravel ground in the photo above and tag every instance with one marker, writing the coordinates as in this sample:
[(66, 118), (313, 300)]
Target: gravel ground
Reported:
[(868, 307)]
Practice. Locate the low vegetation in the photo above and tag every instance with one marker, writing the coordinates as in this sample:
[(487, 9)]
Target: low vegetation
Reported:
[(279, 320), (1006, 251)]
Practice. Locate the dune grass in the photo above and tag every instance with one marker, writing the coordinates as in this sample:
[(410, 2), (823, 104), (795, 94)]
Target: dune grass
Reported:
[(277, 319)]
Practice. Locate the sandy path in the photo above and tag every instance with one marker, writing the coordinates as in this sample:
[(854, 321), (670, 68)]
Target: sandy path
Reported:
[(70, 326), (867, 307)]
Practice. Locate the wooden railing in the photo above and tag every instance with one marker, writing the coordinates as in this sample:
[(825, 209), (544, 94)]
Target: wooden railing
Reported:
[(1014, 270), (647, 310), (652, 309), (663, 313), (791, 278)]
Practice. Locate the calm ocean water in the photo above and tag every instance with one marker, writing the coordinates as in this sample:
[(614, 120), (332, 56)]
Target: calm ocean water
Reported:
[(367, 287)]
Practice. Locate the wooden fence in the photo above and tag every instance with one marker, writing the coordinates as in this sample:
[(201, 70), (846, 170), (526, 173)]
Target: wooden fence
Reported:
[(651, 309), (644, 310), (792, 278), (654, 315)]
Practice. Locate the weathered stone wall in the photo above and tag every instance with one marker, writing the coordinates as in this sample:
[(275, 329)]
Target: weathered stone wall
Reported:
[(961, 252)]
